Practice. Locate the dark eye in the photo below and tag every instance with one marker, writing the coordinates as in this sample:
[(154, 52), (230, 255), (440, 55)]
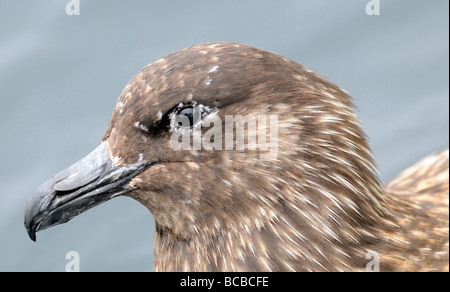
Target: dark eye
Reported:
[(188, 117)]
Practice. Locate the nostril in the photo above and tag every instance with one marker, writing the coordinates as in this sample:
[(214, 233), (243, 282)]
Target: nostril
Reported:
[(65, 193)]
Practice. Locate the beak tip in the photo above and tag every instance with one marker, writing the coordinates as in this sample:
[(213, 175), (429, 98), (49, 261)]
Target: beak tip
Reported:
[(31, 230), (36, 204), (32, 236)]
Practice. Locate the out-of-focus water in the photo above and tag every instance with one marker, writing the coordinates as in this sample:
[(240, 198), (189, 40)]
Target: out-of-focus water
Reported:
[(60, 77)]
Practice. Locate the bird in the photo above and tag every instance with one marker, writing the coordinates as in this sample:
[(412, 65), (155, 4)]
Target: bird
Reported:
[(295, 189)]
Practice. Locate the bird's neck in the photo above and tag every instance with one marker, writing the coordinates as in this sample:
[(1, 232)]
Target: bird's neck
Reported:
[(326, 219), (274, 244)]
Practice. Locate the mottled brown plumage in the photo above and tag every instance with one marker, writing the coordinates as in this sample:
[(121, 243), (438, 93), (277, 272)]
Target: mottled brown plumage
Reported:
[(419, 199), (315, 206)]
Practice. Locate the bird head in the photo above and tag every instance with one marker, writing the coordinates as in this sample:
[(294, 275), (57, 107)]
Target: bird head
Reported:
[(224, 136)]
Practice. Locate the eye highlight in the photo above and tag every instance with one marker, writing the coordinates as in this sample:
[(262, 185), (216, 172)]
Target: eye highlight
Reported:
[(188, 117)]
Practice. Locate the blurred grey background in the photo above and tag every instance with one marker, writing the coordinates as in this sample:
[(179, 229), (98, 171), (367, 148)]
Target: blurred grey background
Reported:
[(61, 75)]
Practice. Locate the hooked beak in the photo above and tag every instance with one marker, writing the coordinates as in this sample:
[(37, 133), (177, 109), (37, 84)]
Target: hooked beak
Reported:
[(88, 183)]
